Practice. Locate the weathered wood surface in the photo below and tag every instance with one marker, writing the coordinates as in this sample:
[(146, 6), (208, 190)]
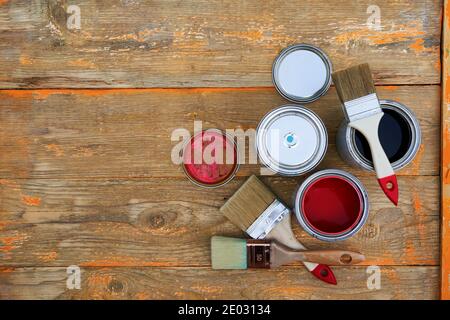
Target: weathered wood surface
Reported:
[(127, 133), (202, 283), (86, 177), (445, 188), (168, 222), (202, 43)]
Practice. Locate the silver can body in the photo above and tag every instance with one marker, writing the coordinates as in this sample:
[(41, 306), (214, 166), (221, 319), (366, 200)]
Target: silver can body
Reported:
[(299, 213), (291, 140), (348, 151)]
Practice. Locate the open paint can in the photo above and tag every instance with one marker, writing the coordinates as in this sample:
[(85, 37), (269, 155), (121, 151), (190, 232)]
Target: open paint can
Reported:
[(291, 140), (331, 205), (399, 134), (302, 73), (210, 158)]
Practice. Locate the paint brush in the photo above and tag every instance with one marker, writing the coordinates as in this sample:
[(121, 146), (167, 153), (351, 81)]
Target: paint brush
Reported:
[(356, 91), (257, 211), (235, 253)]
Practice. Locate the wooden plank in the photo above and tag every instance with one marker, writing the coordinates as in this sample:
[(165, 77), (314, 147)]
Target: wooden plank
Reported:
[(202, 43), (127, 133), (445, 168), (169, 222), (200, 283)]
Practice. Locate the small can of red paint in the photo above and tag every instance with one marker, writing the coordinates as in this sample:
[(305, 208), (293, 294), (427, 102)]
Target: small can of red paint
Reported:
[(210, 158), (331, 205), (399, 134)]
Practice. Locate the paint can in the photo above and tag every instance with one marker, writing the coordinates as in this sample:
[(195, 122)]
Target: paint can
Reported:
[(291, 140), (210, 158), (331, 205), (399, 134), (301, 73)]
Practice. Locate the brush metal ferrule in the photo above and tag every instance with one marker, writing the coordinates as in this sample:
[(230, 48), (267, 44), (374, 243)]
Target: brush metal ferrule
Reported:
[(258, 254), (273, 215), (362, 107)]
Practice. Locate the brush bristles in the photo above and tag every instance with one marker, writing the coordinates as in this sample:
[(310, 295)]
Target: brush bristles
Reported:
[(228, 253), (247, 204), (354, 82)]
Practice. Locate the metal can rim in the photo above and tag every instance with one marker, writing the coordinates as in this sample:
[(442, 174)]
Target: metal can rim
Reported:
[(317, 51), (314, 162), (330, 238), (416, 138), (222, 183)]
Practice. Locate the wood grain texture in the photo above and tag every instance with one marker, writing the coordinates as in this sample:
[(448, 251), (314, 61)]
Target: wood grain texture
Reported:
[(202, 43), (445, 187), (169, 222), (127, 133), (86, 176), (201, 283)]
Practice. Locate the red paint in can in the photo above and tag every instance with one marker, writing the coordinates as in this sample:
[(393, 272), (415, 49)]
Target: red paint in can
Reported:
[(210, 158), (332, 205)]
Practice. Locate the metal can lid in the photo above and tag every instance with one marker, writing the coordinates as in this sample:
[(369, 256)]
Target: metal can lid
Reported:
[(291, 140), (302, 73)]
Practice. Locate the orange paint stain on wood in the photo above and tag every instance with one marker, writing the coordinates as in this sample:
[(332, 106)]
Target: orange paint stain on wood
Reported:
[(82, 63), (47, 257), (390, 88), (400, 34), (446, 16), (142, 296), (10, 184), (10, 243), (445, 165), (99, 279), (125, 262), (419, 214), (415, 165), (19, 94), (43, 94), (419, 47), (31, 201), (251, 35), (55, 149), (6, 248), (437, 65), (410, 251), (446, 92), (83, 152), (3, 224), (6, 270), (25, 60), (2, 2), (382, 261)]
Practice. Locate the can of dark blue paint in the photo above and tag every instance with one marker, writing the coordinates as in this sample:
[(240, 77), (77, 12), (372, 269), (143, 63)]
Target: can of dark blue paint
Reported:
[(399, 134)]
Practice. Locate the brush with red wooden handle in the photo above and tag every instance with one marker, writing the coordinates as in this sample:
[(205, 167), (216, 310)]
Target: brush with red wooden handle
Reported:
[(257, 211), (361, 106)]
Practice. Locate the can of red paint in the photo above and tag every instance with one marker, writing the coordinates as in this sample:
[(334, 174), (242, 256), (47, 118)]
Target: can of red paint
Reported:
[(399, 134), (210, 158), (331, 205), (291, 140)]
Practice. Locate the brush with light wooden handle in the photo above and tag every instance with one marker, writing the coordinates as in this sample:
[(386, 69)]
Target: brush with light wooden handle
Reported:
[(235, 253), (257, 211), (361, 106)]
